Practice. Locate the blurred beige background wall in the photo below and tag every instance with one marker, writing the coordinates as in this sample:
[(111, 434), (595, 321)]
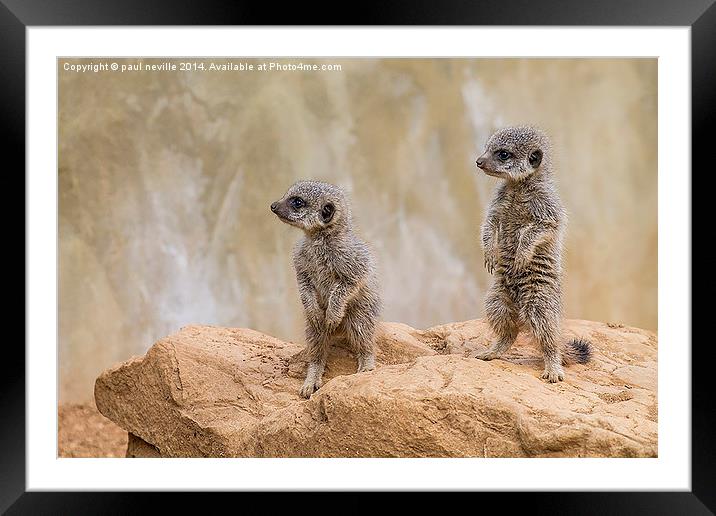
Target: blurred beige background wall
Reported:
[(165, 181)]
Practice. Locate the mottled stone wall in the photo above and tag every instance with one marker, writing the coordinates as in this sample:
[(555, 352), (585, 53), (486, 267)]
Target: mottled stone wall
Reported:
[(165, 181)]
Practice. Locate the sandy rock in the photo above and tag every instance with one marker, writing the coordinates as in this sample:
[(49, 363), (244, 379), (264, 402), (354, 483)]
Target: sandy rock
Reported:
[(84, 432), (138, 447), (222, 392)]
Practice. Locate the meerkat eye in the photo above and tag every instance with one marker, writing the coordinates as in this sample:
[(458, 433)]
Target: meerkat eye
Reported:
[(503, 155), (297, 203), (327, 212), (535, 158)]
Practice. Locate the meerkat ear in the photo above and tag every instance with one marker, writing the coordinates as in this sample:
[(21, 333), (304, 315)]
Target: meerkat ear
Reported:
[(535, 158), (327, 212)]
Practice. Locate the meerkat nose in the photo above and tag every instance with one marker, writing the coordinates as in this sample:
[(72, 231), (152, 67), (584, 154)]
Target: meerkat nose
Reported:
[(273, 206), (480, 162)]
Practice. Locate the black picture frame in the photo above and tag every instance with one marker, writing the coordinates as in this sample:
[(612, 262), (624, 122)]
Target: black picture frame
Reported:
[(17, 15)]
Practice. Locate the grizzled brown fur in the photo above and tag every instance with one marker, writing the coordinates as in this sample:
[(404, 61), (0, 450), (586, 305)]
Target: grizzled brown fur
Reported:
[(522, 240), (336, 276)]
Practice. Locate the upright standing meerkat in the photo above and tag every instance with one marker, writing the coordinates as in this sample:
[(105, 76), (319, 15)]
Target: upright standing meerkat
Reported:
[(336, 276), (522, 239)]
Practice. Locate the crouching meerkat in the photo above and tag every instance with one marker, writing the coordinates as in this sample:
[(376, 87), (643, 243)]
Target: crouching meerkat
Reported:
[(336, 276), (522, 240)]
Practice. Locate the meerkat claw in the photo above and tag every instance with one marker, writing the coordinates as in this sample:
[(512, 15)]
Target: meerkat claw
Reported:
[(366, 363), (553, 376), (308, 389)]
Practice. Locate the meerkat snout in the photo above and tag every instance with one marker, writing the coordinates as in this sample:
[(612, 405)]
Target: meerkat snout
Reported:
[(274, 205)]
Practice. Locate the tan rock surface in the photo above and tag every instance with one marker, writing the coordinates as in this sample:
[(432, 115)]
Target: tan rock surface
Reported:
[(84, 432), (211, 391)]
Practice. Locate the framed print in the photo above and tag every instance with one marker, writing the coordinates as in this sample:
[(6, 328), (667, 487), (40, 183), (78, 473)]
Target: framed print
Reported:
[(436, 250)]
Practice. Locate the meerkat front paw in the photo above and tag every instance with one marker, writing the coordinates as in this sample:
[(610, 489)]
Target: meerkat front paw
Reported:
[(315, 318), (331, 323), (553, 375), (520, 263), (490, 259)]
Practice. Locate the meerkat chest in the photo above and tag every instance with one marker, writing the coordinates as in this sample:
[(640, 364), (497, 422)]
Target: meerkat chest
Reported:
[(515, 213), (516, 202), (322, 263)]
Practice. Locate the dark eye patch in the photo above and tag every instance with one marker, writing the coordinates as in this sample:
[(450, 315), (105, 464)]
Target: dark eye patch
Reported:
[(535, 158), (327, 212), (297, 203), (503, 155)]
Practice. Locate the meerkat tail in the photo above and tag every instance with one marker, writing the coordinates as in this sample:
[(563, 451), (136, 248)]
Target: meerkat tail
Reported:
[(577, 351)]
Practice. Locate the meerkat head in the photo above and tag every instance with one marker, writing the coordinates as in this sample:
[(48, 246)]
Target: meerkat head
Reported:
[(514, 153), (313, 206)]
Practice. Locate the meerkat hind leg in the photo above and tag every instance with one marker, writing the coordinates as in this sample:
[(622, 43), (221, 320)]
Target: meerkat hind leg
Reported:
[(503, 320), (317, 348), (360, 336), (314, 378), (503, 343), (546, 332), (553, 371), (366, 362)]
